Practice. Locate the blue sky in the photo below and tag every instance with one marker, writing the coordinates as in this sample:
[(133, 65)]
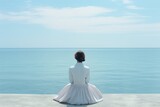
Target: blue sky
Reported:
[(79, 23)]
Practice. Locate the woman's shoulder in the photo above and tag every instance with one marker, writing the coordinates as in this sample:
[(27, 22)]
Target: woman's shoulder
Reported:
[(71, 67), (86, 67), (75, 66)]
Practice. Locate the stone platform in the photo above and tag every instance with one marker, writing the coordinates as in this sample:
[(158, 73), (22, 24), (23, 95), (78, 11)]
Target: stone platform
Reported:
[(110, 100)]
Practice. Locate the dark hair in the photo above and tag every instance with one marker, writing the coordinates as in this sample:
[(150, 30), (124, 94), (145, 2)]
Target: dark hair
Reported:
[(80, 56)]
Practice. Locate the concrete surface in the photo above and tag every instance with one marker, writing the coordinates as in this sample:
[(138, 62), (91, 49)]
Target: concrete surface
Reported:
[(110, 100)]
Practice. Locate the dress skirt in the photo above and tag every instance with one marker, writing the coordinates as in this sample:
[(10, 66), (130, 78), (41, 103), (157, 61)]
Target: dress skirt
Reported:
[(79, 94)]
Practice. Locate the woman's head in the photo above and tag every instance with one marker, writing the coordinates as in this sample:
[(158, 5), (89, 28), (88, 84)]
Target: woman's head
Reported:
[(80, 56)]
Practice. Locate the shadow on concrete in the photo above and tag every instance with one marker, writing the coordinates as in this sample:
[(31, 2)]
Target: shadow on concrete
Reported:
[(76, 105)]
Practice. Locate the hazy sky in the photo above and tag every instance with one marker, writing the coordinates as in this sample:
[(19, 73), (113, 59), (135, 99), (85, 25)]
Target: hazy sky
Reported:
[(79, 23)]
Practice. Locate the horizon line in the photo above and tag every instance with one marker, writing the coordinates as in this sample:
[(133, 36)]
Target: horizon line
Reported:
[(77, 47)]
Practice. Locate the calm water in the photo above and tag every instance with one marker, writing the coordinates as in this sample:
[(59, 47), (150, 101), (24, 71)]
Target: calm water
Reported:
[(45, 71)]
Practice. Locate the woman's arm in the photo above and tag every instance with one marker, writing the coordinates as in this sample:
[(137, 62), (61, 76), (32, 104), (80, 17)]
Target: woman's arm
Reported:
[(87, 76), (70, 76)]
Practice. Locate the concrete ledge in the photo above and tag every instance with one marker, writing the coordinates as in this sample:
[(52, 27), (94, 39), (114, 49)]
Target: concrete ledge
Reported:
[(110, 100)]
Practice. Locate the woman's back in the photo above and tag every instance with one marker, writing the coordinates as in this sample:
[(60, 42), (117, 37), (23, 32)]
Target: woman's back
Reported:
[(79, 74)]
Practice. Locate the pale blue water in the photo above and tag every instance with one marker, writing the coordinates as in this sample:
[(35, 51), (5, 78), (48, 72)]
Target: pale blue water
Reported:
[(45, 71)]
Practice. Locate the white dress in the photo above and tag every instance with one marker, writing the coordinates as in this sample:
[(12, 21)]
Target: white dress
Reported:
[(79, 90)]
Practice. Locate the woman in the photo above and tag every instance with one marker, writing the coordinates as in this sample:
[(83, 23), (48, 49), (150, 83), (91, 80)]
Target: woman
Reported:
[(79, 90)]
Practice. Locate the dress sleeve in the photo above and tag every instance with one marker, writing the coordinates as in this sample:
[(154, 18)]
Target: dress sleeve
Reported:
[(70, 76), (88, 76)]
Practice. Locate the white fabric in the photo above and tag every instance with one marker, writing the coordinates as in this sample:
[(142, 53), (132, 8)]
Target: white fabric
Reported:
[(79, 90)]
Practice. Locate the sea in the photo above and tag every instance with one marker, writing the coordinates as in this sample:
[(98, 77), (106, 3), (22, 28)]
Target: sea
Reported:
[(112, 70)]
